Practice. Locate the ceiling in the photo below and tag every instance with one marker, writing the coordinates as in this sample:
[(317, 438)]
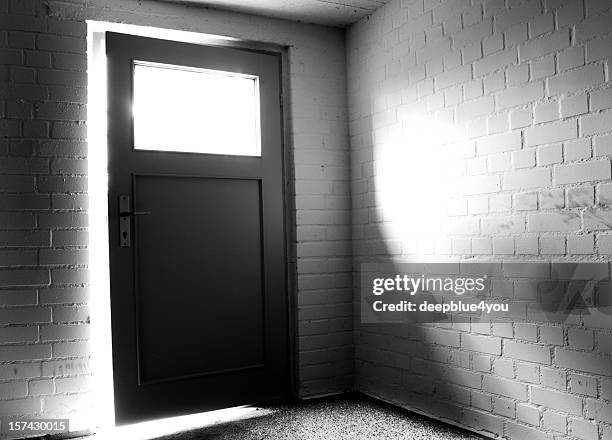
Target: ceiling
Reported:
[(327, 12)]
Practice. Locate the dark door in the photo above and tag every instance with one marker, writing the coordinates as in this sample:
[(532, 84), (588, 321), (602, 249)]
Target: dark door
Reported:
[(197, 251)]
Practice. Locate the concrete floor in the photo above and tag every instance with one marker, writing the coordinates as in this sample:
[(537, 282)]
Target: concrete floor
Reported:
[(354, 417)]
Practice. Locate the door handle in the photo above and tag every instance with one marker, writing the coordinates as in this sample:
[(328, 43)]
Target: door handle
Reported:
[(125, 221), (135, 213)]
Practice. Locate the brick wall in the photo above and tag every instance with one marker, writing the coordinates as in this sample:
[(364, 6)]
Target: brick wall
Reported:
[(521, 87), (44, 291), (508, 102)]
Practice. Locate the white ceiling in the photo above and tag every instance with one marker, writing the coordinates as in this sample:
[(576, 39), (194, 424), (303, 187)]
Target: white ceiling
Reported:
[(327, 12)]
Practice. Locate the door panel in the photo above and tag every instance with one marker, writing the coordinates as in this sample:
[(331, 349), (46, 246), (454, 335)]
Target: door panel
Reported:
[(198, 298), (227, 217)]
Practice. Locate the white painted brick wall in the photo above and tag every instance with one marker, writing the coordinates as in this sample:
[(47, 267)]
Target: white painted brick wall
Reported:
[(530, 87), (44, 293)]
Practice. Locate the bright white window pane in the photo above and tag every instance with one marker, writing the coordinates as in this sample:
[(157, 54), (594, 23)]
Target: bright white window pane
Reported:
[(192, 110)]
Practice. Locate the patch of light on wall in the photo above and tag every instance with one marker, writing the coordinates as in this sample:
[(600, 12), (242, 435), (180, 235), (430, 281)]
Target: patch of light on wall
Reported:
[(412, 182)]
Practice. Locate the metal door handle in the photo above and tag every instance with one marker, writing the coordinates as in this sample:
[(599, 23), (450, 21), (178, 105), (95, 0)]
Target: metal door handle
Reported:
[(125, 223), (135, 213)]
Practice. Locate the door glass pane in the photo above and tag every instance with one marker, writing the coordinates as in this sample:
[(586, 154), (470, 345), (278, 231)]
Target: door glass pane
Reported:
[(192, 110)]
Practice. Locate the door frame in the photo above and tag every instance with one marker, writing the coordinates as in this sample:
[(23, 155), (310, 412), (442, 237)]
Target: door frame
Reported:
[(96, 43)]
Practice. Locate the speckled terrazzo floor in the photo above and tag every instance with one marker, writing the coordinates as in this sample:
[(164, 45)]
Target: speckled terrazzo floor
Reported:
[(353, 417)]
